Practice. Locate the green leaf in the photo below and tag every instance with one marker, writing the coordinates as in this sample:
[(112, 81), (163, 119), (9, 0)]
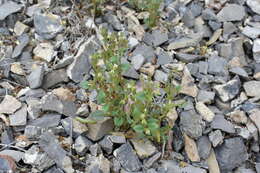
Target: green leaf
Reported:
[(84, 84), (153, 126), (125, 66), (138, 128), (101, 97), (105, 108), (178, 88), (97, 115), (136, 113), (140, 96), (85, 120), (118, 121)]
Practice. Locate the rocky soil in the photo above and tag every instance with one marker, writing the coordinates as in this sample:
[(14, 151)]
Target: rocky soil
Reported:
[(213, 45)]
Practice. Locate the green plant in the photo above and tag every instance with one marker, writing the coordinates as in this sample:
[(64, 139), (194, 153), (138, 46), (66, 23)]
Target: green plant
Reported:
[(96, 10), (151, 6), (132, 106)]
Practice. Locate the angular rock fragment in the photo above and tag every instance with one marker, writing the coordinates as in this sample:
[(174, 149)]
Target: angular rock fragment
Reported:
[(145, 51), (256, 50), (252, 32), (219, 122), (8, 8), (191, 149), (252, 88), (206, 96), (173, 166), (106, 144), (47, 25), (81, 64), (213, 163), (77, 127), (54, 77), (9, 105), (50, 145), (36, 77), (144, 148), (204, 147), (255, 117), (187, 58), (20, 28), (127, 158), (113, 20), (204, 111), (191, 40), (150, 161), (216, 138), (81, 145), (98, 164), (137, 61), (254, 5), (23, 41), (229, 90), (19, 118), (44, 51), (231, 154), (164, 58), (238, 116), (160, 76), (187, 84), (231, 12), (191, 123), (217, 66)]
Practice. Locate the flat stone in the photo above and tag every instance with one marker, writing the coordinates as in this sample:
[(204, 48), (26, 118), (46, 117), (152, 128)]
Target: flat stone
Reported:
[(117, 138), (190, 41), (64, 94), (217, 66), (204, 147), (251, 88), (191, 149), (160, 76), (95, 149), (256, 50), (23, 41), (97, 164), (102, 127), (229, 90), (187, 58), (254, 5), (144, 148), (159, 37), (150, 161), (208, 14), (231, 154), (188, 86), (213, 163), (239, 71), (113, 20), (137, 61), (47, 25), (9, 8), (127, 158), (228, 28), (145, 51), (131, 73), (191, 123), (36, 77), (46, 121), (44, 51), (252, 32), (81, 64), (205, 112), (231, 12), (20, 28), (50, 145), (106, 144), (256, 118), (37, 158), (32, 132), (9, 105), (78, 128), (171, 166), (219, 122), (216, 138), (164, 58), (19, 118), (238, 116), (64, 62), (206, 96), (82, 144), (54, 77)]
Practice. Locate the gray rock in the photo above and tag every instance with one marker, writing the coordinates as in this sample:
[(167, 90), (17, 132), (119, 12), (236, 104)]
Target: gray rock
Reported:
[(46, 121), (231, 12), (148, 163), (106, 144), (204, 147), (16, 155), (131, 73), (160, 76), (187, 58), (77, 127), (219, 122), (9, 105), (137, 61), (216, 138), (54, 170), (229, 90), (251, 88), (208, 14), (44, 51), (95, 149), (257, 167), (231, 154), (228, 28), (217, 66), (188, 18), (50, 145), (256, 50), (81, 65), (36, 77), (97, 164), (117, 139), (19, 118), (164, 58), (144, 148), (189, 41), (113, 20), (244, 170), (206, 96), (203, 67), (145, 51), (159, 37), (32, 132), (171, 166), (239, 71), (37, 158), (252, 32), (254, 5), (34, 110), (8, 8), (127, 158), (47, 25), (191, 123), (214, 25), (23, 41), (54, 77), (102, 127), (64, 62)]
